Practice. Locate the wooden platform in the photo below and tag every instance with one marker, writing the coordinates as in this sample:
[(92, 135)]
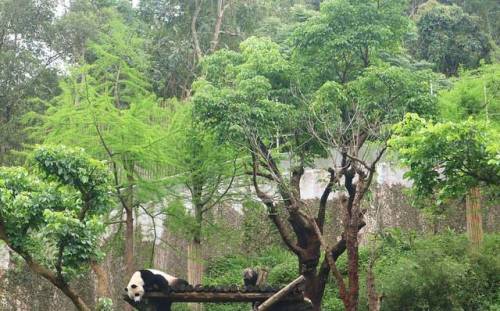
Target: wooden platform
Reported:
[(158, 301)]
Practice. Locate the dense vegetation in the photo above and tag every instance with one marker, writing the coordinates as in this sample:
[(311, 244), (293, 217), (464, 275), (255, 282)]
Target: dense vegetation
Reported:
[(181, 135)]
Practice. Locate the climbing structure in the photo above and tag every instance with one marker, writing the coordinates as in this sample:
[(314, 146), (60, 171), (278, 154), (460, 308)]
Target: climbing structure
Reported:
[(293, 300)]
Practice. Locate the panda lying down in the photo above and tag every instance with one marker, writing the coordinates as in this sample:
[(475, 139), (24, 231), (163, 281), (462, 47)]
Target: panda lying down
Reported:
[(151, 280)]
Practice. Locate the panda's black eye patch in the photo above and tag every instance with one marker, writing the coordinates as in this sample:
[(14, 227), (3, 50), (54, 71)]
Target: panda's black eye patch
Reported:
[(133, 286), (126, 289)]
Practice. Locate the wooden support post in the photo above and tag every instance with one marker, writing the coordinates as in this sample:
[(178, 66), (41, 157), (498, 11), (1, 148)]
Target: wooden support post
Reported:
[(262, 278), (473, 217), (280, 294)]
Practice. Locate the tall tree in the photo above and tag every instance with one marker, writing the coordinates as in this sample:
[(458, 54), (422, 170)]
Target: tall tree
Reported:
[(458, 156), (107, 107), (488, 12), (450, 38), (451, 159), (346, 37), (203, 172), (351, 121), (25, 67), (182, 32), (247, 98), (52, 214)]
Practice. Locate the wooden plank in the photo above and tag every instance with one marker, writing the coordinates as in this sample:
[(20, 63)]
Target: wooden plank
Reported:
[(216, 296)]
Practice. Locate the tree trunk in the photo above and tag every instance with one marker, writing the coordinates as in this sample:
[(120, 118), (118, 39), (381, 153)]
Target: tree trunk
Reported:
[(129, 221), (195, 254), (129, 241), (352, 269), (129, 246), (77, 300), (374, 299), (195, 268), (221, 7), (473, 217), (311, 289), (194, 33), (102, 281)]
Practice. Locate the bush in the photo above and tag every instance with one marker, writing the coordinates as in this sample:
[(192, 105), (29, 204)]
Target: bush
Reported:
[(229, 271), (439, 273), (413, 273)]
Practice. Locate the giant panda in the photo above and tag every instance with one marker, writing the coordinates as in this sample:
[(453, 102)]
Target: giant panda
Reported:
[(148, 280)]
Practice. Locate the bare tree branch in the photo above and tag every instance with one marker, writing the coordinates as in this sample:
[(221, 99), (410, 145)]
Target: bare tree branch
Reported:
[(324, 200), (221, 8), (194, 33)]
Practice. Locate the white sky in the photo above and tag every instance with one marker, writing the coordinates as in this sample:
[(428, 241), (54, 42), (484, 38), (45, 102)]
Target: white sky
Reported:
[(62, 4)]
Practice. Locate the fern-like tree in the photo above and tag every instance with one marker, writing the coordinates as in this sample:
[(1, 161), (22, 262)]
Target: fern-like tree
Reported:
[(203, 170), (51, 214), (106, 106)]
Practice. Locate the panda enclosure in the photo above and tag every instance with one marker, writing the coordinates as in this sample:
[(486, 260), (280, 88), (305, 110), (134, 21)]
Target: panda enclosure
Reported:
[(264, 134)]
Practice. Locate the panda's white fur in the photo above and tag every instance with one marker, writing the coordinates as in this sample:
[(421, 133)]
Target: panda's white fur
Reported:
[(148, 280), (170, 278)]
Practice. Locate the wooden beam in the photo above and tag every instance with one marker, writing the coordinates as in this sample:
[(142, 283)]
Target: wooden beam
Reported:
[(279, 296), (216, 297)]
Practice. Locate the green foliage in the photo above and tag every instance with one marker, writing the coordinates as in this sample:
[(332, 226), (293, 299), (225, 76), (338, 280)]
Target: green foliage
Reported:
[(284, 17), (346, 37), (107, 107), (451, 38), (229, 271), (378, 98), (246, 96), (255, 220), (476, 93), (104, 304), (438, 273), (25, 69), (448, 158), (74, 168), (53, 213), (168, 25), (412, 272), (201, 171)]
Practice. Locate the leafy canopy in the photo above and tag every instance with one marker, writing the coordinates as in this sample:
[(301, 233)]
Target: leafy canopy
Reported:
[(57, 204), (475, 94), (243, 94), (202, 170), (462, 150), (346, 37), (450, 38), (363, 110), (107, 107), (448, 158)]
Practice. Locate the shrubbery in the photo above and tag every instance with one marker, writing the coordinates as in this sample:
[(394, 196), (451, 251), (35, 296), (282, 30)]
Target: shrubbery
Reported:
[(413, 273), (439, 273)]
